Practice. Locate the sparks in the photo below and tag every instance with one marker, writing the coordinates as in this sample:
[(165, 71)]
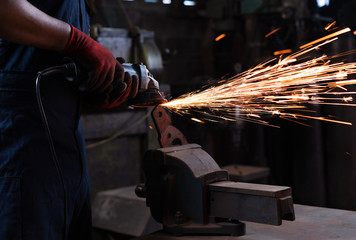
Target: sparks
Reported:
[(329, 25), (342, 31), (197, 120), (280, 52), (283, 87), (272, 32), (221, 36)]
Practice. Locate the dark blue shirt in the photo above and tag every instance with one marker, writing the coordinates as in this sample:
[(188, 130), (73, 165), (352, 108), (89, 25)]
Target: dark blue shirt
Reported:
[(18, 61), (32, 199)]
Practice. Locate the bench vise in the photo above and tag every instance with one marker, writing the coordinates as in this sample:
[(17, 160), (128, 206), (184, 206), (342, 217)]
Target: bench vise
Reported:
[(189, 193)]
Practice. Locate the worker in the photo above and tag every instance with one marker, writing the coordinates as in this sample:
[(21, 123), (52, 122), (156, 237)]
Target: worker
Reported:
[(40, 199)]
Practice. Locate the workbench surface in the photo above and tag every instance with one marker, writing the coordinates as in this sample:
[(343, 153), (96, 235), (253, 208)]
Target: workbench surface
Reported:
[(312, 223)]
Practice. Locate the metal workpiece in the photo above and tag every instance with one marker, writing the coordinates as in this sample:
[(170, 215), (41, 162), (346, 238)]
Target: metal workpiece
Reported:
[(256, 202), (168, 135)]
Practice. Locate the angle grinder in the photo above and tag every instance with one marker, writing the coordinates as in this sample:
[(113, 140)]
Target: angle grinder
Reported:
[(148, 90)]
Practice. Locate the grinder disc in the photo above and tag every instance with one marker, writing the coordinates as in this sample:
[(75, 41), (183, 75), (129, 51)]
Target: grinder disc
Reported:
[(149, 98)]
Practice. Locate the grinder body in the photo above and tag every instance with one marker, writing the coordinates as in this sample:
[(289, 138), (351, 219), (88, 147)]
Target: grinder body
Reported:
[(148, 90), (146, 80)]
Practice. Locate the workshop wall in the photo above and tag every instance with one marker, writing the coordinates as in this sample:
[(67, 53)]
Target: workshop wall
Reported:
[(178, 32)]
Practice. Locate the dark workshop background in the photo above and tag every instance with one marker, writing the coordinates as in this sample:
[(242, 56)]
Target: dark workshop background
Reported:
[(318, 162)]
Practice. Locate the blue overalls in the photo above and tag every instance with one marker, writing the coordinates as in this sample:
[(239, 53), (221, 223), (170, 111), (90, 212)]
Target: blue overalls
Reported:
[(31, 194)]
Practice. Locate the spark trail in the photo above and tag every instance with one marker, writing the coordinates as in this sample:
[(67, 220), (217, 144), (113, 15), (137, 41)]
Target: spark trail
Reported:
[(282, 86)]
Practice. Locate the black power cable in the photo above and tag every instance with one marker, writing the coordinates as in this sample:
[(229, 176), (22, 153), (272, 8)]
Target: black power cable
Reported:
[(69, 70)]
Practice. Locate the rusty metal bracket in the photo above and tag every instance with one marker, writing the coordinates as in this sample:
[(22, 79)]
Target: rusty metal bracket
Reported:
[(168, 135)]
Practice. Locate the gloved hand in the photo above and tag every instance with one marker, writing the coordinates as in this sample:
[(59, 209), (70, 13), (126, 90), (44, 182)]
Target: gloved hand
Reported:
[(121, 91), (117, 93), (94, 57), (108, 86), (135, 82)]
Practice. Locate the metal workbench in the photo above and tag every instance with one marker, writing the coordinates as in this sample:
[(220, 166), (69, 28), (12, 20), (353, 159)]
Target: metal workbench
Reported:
[(312, 223)]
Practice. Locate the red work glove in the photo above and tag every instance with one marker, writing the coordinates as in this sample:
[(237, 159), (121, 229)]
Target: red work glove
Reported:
[(120, 91), (108, 86), (135, 82), (94, 57), (117, 93)]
